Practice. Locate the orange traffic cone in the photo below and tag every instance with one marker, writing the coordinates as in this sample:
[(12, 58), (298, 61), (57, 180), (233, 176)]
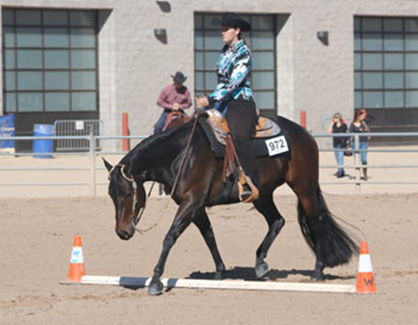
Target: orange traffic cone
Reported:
[(76, 263), (365, 278)]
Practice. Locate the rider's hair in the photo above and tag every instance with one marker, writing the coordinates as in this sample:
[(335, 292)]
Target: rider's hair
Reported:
[(241, 37), (358, 113)]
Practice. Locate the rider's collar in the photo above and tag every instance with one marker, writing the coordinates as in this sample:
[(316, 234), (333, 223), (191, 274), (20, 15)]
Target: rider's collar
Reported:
[(234, 47), (237, 45)]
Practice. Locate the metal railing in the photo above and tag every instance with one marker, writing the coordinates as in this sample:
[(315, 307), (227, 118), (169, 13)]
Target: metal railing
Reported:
[(355, 142), (93, 152), (75, 128)]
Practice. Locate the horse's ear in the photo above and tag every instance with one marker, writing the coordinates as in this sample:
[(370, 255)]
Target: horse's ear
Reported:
[(107, 165)]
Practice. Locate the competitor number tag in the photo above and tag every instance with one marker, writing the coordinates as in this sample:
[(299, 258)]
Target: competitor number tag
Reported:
[(277, 145)]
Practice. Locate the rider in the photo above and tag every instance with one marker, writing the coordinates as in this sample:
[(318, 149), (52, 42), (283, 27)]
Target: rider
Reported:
[(174, 97), (233, 95)]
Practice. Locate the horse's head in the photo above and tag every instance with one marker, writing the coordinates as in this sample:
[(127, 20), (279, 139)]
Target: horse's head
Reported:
[(128, 196)]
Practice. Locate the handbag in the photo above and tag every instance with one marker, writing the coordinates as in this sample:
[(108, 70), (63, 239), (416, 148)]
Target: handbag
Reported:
[(348, 152)]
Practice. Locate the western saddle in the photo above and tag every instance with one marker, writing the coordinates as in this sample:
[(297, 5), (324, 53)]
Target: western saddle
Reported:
[(264, 129)]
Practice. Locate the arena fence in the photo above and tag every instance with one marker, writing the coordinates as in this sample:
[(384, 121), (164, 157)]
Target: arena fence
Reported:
[(357, 166), (94, 151), (76, 128)]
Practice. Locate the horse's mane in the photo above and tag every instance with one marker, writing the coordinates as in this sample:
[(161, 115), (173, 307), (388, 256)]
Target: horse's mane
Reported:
[(153, 140)]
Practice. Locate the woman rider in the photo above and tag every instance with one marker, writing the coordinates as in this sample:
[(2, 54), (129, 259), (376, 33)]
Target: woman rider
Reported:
[(233, 95)]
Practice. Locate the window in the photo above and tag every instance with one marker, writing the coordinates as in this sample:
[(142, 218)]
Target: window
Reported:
[(49, 60), (262, 41), (386, 62)]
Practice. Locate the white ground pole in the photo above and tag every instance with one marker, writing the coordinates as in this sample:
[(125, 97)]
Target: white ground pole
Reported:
[(217, 284)]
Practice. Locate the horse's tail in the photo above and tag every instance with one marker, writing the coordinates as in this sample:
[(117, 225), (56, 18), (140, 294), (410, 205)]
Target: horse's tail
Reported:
[(330, 243)]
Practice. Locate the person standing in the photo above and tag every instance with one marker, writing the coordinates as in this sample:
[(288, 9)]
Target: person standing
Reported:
[(359, 126), (339, 143), (233, 96), (174, 97)]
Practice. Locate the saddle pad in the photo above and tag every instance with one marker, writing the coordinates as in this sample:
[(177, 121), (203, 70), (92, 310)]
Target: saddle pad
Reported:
[(263, 147)]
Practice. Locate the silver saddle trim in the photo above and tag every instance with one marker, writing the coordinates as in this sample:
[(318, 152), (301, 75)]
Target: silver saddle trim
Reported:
[(215, 120)]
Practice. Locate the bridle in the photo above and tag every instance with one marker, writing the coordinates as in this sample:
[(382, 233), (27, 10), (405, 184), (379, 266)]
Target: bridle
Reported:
[(134, 218)]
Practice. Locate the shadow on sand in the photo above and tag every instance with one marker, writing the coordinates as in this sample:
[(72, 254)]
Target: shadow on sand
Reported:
[(248, 274), (237, 273)]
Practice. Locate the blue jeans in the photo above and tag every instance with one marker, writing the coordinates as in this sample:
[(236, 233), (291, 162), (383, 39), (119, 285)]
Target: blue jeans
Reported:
[(364, 146), (339, 157), (363, 154), (158, 127)]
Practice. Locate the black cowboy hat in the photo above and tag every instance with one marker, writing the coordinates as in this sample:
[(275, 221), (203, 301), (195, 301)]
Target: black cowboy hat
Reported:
[(233, 20), (179, 77)]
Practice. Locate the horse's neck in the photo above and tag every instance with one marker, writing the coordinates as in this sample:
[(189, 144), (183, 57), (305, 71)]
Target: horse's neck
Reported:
[(154, 161)]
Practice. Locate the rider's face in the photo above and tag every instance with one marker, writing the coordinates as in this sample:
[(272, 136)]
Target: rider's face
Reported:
[(229, 34)]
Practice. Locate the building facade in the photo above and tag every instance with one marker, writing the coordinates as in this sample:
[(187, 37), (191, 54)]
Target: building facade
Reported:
[(97, 59)]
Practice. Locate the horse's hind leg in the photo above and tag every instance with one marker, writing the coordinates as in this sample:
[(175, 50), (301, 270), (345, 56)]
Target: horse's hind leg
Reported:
[(202, 222), (266, 207), (309, 219)]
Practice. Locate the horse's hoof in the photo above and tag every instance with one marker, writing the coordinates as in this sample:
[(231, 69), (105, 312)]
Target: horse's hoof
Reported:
[(317, 276), (261, 270), (218, 276), (155, 289)]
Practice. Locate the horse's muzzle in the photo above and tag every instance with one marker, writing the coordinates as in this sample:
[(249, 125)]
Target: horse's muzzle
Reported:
[(123, 234)]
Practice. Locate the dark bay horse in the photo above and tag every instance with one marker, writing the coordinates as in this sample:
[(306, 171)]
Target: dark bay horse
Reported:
[(200, 185)]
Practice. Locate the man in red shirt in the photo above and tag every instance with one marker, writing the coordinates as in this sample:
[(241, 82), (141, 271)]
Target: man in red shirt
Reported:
[(174, 97)]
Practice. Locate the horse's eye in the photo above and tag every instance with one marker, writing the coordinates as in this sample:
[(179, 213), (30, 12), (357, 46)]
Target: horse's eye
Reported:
[(128, 195)]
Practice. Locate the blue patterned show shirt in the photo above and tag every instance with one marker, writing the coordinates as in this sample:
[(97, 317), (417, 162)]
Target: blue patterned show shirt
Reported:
[(233, 71)]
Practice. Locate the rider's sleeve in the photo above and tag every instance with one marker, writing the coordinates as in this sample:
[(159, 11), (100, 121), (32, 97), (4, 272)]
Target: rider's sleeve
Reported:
[(242, 66), (188, 101), (162, 100)]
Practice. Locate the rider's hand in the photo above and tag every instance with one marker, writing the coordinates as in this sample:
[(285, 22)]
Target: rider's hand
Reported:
[(202, 102), (176, 106)]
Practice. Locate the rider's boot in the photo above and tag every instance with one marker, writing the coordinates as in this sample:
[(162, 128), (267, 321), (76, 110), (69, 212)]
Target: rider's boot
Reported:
[(248, 192)]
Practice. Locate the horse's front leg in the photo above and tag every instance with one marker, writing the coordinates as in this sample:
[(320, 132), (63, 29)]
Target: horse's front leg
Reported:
[(202, 222), (182, 220)]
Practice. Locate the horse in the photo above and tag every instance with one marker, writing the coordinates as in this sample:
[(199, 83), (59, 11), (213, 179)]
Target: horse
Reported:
[(199, 184), (174, 118)]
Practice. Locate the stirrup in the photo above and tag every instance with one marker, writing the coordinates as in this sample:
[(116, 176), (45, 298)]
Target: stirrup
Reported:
[(247, 191)]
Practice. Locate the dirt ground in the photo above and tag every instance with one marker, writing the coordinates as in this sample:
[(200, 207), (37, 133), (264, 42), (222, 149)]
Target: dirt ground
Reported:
[(37, 235)]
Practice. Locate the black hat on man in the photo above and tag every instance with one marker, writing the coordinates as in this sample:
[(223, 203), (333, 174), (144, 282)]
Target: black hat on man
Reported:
[(179, 77), (233, 20)]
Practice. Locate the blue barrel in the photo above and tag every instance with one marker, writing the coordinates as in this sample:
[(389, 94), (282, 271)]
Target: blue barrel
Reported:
[(43, 146)]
